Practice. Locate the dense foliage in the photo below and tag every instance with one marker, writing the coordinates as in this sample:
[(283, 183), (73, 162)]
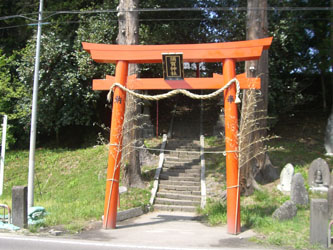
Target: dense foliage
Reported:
[(12, 92), (299, 56)]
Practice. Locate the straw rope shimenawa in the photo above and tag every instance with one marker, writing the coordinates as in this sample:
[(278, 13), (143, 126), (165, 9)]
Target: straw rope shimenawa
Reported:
[(178, 91), (186, 93)]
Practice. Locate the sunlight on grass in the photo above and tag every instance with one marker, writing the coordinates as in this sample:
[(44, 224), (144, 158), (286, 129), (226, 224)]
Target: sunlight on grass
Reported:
[(70, 184)]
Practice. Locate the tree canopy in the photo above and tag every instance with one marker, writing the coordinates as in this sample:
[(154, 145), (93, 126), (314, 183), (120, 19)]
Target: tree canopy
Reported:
[(300, 62)]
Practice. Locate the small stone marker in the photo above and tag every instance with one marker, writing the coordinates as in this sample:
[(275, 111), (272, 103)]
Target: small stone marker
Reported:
[(287, 211), (319, 173), (319, 222), (298, 193), (122, 189), (285, 178), (20, 206)]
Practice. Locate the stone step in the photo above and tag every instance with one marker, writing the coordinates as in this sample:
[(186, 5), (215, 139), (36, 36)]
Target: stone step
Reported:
[(179, 178), (180, 163), (181, 170), (171, 164), (166, 201), (181, 158), (181, 174), (178, 196), (185, 192), (168, 165), (180, 154), (175, 208), (183, 151), (171, 157), (187, 166), (180, 183), (179, 188)]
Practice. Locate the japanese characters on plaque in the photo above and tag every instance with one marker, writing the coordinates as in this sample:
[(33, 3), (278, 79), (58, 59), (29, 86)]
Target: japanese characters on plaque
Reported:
[(173, 68)]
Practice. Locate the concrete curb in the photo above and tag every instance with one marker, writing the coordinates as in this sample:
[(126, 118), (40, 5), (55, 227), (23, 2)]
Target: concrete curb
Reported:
[(131, 213)]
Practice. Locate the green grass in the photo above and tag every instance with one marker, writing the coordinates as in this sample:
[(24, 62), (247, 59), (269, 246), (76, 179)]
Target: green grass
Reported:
[(214, 162), (256, 214), (298, 145), (70, 184)]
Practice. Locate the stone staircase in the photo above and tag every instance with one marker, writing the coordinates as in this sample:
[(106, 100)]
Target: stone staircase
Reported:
[(179, 187)]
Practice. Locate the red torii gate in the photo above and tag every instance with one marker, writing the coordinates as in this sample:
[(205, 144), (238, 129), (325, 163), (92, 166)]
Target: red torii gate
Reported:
[(228, 53)]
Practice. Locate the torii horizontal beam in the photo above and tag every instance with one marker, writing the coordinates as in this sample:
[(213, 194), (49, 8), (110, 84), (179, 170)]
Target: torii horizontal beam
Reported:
[(206, 52), (215, 82)]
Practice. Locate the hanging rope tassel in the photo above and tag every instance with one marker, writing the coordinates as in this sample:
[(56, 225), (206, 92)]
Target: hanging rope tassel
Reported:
[(178, 91)]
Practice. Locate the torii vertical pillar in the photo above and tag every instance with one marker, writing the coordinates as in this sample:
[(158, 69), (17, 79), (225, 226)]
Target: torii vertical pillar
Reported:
[(116, 137), (231, 141)]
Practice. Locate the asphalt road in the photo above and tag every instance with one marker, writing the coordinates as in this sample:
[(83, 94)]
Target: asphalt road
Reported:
[(13, 242), (152, 231)]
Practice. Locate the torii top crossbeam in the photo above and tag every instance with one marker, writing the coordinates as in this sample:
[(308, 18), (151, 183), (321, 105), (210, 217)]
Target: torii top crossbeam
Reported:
[(206, 52), (227, 53)]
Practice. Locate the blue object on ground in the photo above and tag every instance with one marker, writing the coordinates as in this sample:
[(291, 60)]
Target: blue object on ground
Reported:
[(8, 226), (36, 215)]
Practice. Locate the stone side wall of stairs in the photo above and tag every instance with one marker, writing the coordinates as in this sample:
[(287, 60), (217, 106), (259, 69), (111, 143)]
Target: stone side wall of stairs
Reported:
[(179, 187)]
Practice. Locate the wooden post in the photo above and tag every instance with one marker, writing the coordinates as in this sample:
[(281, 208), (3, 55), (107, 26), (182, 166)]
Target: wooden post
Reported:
[(116, 136), (231, 141)]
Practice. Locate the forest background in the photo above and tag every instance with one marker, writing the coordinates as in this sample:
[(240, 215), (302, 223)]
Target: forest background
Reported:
[(300, 66)]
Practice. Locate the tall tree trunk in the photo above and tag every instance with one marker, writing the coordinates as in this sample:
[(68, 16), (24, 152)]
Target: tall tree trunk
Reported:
[(128, 33), (254, 106)]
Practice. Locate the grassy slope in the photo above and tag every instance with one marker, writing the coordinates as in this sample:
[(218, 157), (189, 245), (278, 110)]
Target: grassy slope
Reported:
[(70, 184)]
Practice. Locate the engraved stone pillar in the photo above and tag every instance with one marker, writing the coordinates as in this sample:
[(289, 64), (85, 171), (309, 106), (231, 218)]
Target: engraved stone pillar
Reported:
[(20, 206), (319, 222)]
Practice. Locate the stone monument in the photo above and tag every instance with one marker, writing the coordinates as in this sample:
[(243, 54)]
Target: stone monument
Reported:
[(298, 193), (319, 175), (286, 176), (286, 211)]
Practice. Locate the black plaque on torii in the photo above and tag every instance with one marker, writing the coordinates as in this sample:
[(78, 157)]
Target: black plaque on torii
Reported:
[(173, 67)]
